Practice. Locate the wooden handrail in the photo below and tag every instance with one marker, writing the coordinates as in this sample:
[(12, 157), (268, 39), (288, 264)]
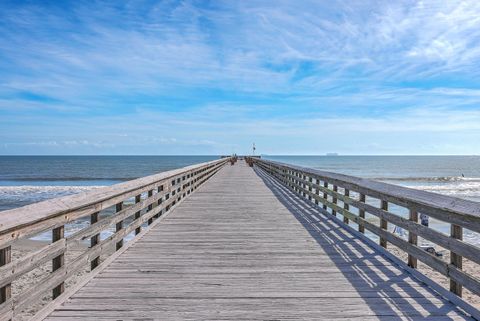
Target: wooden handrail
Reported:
[(80, 205), (137, 202), (457, 212)]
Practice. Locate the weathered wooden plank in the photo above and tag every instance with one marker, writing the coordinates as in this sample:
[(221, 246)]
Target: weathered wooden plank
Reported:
[(119, 225), (138, 199), (239, 250), (455, 244), (111, 316), (456, 232), (104, 223), (346, 206), (58, 261), (446, 208), (412, 238), (456, 275), (383, 223), (94, 240), (64, 271), (60, 271), (12, 270), (361, 213), (5, 288), (35, 218), (6, 310), (45, 311)]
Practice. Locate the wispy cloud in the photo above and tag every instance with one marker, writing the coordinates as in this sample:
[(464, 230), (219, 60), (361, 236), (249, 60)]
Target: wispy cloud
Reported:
[(227, 73)]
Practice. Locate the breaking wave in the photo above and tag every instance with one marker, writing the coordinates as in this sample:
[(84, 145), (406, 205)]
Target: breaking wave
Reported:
[(16, 196), (430, 179), (468, 190), (73, 178)]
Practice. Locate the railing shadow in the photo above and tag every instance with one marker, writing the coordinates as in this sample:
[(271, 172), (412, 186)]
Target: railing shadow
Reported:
[(389, 291)]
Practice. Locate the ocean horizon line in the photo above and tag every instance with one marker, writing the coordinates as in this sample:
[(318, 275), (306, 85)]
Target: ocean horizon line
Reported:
[(209, 155)]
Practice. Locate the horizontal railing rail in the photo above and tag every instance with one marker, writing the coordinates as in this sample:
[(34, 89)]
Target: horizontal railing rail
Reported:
[(354, 198), (119, 210)]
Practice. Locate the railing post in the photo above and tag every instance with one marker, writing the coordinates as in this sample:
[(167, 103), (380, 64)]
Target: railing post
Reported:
[(299, 184), (150, 207), (334, 200), (5, 258), (412, 238), (361, 214), (317, 191), (456, 232), (383, 224), (160, 189), (138, 199), (119, 226), (180, 187), (167, 197), (346, 206), (304, 186), (58, 233), (310, 180), (325, 195), (94, 240)]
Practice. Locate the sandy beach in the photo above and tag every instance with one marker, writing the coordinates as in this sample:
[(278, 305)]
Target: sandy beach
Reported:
[(21, 249), (468, 266)]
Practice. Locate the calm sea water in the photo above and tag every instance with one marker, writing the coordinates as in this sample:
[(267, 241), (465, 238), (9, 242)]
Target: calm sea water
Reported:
[(457, 176), (28, 179)]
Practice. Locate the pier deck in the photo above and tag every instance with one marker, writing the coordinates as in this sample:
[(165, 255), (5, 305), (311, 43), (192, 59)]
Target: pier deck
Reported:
[(244, 247)]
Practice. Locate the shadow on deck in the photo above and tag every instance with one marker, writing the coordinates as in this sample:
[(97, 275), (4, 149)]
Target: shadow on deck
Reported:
[(382, 284)]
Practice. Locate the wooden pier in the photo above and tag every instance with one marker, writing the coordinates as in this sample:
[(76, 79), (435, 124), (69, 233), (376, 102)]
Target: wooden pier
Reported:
[(222, 242)]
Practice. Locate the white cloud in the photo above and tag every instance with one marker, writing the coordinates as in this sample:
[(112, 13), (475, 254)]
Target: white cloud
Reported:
[(289, 68), (168, 50)]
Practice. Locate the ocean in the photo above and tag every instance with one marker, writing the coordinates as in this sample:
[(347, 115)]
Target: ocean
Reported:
[(457, 176), (29, 179)]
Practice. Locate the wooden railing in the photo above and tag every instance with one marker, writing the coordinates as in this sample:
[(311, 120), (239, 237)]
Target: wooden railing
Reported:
[(123, 209), (360, 197)]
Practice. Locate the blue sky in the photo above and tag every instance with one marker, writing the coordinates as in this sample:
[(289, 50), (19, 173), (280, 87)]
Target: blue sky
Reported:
[(211, 77)]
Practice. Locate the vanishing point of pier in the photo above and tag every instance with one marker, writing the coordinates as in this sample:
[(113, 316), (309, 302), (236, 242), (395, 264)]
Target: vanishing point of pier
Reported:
[(217, 241)]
